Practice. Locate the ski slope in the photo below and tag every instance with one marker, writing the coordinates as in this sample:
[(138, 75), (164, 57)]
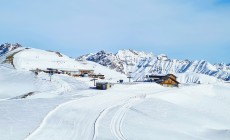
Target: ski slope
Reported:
[(153, 112), (67, 108)]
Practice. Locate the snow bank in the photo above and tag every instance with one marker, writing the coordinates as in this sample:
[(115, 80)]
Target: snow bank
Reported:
[(14, 83), (196, 78)]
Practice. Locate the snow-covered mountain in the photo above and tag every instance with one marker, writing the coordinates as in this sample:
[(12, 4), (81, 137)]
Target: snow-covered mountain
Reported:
[(67, 108), (129, 62), (139, 64), (223, 67), (123, 61), (21, 58), (4, 48), (30, 58)]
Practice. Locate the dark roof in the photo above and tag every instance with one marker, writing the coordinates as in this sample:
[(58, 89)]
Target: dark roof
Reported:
[(51, 69), (102, 83), (85, 70), (161, 76), (172, 75), (156, 76), (98, 75)]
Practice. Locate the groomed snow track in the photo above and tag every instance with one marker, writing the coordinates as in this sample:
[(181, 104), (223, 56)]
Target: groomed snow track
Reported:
[(95, 112)]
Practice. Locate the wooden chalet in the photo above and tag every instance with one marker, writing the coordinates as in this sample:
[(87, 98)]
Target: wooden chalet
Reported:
[(168, 80)]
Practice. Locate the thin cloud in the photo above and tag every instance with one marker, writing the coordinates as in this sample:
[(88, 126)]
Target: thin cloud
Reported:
[(116, 24)]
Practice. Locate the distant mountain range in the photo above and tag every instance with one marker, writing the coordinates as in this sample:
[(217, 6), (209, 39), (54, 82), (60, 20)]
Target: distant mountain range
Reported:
[(130, 62), (138, 64)]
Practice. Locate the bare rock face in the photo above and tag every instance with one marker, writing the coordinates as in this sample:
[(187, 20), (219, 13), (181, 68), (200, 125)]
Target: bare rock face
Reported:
[(4, 48)]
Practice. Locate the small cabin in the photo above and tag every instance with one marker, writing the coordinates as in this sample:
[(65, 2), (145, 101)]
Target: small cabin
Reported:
[(103, 85), (168, 80)]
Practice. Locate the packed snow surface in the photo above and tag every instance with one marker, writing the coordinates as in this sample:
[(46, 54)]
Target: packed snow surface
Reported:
[(72, 110)]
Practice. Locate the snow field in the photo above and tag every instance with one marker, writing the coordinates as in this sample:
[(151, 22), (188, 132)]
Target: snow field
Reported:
[(140, 111), (67, 108)]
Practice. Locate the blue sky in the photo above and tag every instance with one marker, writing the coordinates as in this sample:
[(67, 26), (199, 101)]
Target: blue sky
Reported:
[(193, 29)]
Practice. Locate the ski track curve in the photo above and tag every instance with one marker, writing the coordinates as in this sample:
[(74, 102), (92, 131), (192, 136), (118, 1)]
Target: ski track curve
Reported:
[(115, 124), (99, 118), (46, 118), (118, 118)]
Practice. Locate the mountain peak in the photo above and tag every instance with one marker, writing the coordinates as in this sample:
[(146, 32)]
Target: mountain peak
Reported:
[(162, 57), (4, 48), (142, 63), (102, 51), (10, 45)]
